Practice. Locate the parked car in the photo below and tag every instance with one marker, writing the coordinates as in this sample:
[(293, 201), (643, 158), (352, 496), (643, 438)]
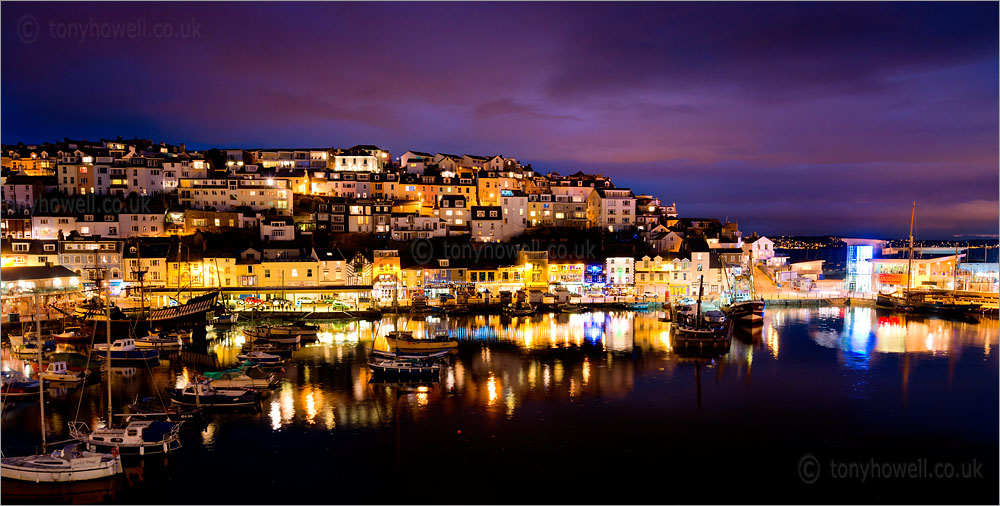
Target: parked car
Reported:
[(305, 300), (337, 305)]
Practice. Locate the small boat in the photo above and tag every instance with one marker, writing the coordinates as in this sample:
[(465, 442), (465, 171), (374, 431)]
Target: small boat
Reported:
[(71, 334), (227, 319), (401, 367), (138, 437), (637, 306), (260, 357), (205, 395), (27, 347), (15, 384), (460, 309), (265, 334), (68, 464), (57, 372), (150, 408), (124, 350), (403, 342), (76, 361), (410, 356), (248, 375), (159, 342), (523, 310), (305, 331)]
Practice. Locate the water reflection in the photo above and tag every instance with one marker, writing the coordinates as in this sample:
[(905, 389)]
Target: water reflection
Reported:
[(503, 364)]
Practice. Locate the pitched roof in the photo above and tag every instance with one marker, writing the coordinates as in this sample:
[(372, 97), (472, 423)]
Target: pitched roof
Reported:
[(36, 272)]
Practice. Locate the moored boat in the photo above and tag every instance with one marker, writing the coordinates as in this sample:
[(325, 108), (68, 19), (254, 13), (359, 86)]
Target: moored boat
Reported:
[(15, 384), (68, 464), (159, 342), (403, 367), (205, 395), (260, 357), (246, 375), (137, 437), (403, 342), (57, 372), (124, 350)]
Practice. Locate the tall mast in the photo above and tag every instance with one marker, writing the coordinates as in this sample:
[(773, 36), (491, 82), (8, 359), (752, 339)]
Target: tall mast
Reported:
[(107, 331), (41, 382), (909, 263)]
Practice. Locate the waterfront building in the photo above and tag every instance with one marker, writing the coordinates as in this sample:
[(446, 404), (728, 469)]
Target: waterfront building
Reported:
[(620, 272), (26, 252)]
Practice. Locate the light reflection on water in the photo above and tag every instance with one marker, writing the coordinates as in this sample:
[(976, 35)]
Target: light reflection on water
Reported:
[(503, 364)]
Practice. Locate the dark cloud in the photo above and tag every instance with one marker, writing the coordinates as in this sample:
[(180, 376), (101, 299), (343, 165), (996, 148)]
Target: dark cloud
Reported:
[(791, 117)]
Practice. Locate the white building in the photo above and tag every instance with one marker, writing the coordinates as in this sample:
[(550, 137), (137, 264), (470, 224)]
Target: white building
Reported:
[(277, 229), (356, 160), (227, 194), (620, 272), (617, 209)]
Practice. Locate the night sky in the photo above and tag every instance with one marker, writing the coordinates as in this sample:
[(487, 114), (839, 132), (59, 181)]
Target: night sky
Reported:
[(789, 118)]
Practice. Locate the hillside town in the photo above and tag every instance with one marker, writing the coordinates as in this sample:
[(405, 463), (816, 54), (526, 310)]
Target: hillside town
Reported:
[(313, 227)]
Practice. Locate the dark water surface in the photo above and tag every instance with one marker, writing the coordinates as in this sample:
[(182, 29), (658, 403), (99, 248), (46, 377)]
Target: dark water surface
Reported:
[(592, 407)]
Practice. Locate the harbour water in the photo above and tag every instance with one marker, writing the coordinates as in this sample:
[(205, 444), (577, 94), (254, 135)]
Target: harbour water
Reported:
[(590, 407)]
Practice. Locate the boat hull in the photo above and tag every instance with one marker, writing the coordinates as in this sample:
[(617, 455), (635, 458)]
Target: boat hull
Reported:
[(59, 475), (215, 401)]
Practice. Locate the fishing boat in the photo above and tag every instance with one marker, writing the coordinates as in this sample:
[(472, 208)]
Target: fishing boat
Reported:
[(16, 384), (124, 350), (701, 325), (137, 437), (260, 357), (68, 464), (246, 375), (403, 367), (637, 306), (741, 303), (205, 395), (57, 372), (159, 342)]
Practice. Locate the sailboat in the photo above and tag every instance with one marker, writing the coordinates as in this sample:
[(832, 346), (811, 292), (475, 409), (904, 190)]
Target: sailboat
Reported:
[(921, 301), (138, 437), (68, 464)]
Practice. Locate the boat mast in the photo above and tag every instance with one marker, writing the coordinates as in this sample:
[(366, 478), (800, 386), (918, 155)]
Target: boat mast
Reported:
[(909, 263), (701, 291), (107, 331), (41, 381)]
